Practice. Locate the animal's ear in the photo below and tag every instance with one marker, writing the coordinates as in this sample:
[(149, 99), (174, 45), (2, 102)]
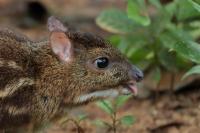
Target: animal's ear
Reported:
[(59, 41)]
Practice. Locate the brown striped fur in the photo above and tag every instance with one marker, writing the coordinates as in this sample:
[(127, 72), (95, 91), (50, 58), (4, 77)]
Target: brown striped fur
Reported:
[(35, 85)]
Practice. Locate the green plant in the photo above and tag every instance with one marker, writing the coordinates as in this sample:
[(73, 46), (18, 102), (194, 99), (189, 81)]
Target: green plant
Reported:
[(111, 109), (156, 36), (76, 121)]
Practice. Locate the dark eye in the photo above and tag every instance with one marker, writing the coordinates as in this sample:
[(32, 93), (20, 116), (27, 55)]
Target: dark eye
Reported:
[(101, 62)]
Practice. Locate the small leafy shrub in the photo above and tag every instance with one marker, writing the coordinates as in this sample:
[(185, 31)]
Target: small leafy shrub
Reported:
[(76, 121), (111, 108), (157, 36)]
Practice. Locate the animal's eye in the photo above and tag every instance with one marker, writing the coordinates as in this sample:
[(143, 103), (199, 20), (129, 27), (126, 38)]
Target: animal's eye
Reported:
[(102, 62)]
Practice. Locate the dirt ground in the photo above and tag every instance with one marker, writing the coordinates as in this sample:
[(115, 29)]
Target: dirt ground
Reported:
[(177, 113), (161, 111)]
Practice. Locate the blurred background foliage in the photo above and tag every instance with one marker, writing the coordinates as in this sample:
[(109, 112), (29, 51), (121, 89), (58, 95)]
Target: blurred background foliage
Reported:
[(156, 36)]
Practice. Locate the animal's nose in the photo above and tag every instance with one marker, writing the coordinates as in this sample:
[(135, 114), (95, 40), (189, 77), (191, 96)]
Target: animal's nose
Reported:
[(136, 73)]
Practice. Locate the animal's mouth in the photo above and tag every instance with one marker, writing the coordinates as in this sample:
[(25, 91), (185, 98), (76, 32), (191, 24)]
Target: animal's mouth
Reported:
[(122, 89), (130, 88)]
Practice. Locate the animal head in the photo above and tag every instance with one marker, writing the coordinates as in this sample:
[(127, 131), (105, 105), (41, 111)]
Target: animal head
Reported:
[(96, 69)]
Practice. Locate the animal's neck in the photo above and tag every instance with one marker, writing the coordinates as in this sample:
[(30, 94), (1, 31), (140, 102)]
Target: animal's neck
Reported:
[(49, 91)]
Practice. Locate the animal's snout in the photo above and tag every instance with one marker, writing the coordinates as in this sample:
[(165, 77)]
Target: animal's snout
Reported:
[(136, 73)]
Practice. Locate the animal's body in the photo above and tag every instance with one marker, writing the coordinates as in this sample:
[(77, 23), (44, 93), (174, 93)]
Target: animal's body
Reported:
[(39, 79)]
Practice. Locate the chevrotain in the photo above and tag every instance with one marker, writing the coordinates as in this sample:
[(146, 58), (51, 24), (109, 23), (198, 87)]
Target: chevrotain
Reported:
[(40, 79)]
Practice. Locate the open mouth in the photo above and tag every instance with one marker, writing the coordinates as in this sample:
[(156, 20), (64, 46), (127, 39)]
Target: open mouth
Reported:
[(124, 89), (130, 87)]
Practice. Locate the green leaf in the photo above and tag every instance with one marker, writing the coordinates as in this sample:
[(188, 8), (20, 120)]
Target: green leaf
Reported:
[(106, 106), (101, 123), (195, 5), (137, 11), (167, 56), (186, 10), (182, 43), (131, 43), (172, 36), (156, 74), (189, 50), (116, 21), (135, 51), (171, 8), (150, 55), (114, 40), (82, 117), (127, 120), (167, 59), (156, 3), (168, 40), (123, 46), (195, 29), (121, 100), (193, 70)]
